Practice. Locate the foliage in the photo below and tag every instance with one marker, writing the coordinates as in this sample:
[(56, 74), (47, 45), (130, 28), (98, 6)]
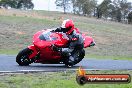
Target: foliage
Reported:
[(26, 4), (65, 4), (18, 4), (129, 18), (85, 7), (117, 9), (103, 8)]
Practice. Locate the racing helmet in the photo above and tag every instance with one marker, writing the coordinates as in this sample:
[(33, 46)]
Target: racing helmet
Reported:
[(67, 26)]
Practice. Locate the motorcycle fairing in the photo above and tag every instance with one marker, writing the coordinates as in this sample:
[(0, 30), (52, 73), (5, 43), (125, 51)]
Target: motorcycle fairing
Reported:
[(34, 51), (44, 45), (87, 40)]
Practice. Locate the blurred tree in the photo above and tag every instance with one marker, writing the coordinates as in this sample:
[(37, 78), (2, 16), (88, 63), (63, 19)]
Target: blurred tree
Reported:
[(25, 4), (118, 15), (125, 8), (129, 18), (18, 4), (65, 4), (77, 6), (122, 8), (103, 9), (89, 6), (85, 7), (116, 10)]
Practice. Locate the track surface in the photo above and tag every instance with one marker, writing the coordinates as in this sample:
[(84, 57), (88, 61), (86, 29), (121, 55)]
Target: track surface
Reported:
[(8, 63)]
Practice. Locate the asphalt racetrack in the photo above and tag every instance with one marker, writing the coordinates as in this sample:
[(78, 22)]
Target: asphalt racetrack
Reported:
[(8, 64)]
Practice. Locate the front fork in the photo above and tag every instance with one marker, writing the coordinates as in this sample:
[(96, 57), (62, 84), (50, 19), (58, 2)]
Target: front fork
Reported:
[(35, 52)]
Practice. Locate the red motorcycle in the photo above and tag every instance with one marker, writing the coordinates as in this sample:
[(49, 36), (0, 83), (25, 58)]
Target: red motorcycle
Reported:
[(42, 49)]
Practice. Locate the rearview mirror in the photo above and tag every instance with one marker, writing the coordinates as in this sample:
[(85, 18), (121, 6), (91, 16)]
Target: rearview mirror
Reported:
[(92, 44)]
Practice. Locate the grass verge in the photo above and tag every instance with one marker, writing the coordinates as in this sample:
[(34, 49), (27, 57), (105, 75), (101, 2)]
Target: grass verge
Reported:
[(9, 52), (65, 79), (108, 57)]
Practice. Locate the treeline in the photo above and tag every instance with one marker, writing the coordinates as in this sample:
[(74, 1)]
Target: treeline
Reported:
[(17, 4), (115, 10)]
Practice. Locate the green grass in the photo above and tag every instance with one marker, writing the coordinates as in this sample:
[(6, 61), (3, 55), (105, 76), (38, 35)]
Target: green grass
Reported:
[(19, 19), (55, 80), (107, 57), (9, 52)]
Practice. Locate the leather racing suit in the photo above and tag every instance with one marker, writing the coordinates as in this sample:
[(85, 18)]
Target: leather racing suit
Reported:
[(78, 44)]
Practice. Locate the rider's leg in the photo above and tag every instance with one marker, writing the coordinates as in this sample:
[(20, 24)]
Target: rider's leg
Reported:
[(66, 52)]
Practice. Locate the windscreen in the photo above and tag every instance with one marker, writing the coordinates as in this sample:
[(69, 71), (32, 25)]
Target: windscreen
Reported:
[(46, 36)]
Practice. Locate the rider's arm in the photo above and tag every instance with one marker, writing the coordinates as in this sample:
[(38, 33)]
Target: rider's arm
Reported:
[(58, 30)]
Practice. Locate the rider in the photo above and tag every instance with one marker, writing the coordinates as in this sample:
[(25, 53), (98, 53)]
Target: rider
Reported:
[(75, 38)]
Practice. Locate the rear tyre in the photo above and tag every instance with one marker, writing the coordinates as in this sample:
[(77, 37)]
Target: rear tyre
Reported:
[(23, 57), (78, 56)]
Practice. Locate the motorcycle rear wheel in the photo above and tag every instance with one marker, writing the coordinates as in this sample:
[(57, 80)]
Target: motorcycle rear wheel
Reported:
[(23, 57), (79, 56)]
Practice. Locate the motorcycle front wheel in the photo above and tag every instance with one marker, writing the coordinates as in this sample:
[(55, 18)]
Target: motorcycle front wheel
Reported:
[(23, 57)]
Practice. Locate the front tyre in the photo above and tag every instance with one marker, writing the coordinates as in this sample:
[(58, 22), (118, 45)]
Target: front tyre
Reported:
[(23, 57)]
